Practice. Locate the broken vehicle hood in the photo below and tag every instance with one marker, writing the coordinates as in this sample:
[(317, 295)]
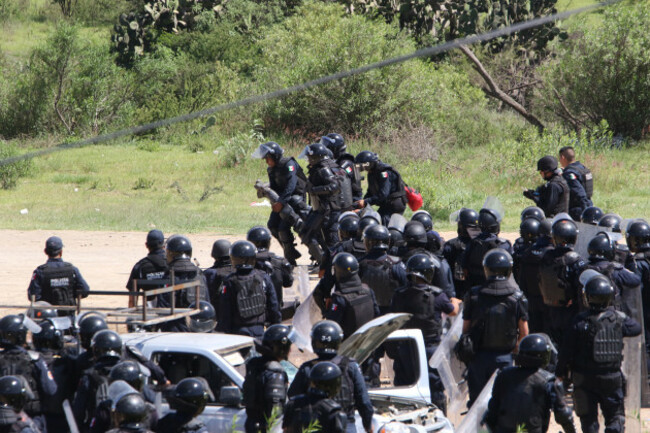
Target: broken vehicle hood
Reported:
[(371, 335)]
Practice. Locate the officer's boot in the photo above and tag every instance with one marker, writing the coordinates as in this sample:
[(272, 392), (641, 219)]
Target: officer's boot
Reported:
[(289, 247)]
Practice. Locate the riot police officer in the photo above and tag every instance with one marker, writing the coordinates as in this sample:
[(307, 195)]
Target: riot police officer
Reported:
[(379, 271), (348, 225), (188, 402), (637, 236), (559, 272), (614, 221), (266, 382), (533, 212), (496, 318), (288, 180), (526, 394), (221, 268), (529, 276), (278, 268), (553, 196), (130, 413), (580, 182), (489, 221), (89, 325), (385, 186), (151, 267), (330, 193), (15, 360), (107, 351), (593, 351), (326, 337), (181, 270), (352, 303), (13, 397), (248, 299), (529, 231), (602, 253), (426, 303), (591, 215), (336, 144), (454, 249), (319, 403), (56, 281)]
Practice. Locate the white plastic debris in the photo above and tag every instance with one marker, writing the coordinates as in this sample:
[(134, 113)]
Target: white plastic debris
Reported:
[(264, 203), (24, 211)]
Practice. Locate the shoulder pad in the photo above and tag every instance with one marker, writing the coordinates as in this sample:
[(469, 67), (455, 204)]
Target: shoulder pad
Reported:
[(518, 294), (617, 266), (274, 366), (394, 259), (547, 375), (33, 355), (620, 315), (572, 257)]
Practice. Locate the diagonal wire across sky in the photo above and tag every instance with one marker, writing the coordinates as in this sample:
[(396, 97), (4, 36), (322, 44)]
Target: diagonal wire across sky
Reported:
[(424, 52)]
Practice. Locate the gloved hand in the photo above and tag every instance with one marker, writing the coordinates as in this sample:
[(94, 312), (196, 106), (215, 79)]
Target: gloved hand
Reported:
[(529, 194), (277, 206), (360, 204)]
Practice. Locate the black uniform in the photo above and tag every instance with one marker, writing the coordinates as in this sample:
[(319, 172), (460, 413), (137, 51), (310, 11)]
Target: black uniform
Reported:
[(247, 301), (592, 351), (624, 281), (525, 396), (453, 251), (346, 162), (580, 182), (303, 410), (92, 389), (553, 196), (58, 283), (560, 287), (176, 422), (529, 282), (183, 271), (641, 267), (278, 268), (442, 276), (265, 388), (494, 311), (353, 393), (62, 369), (353, 304), (386, 190), (476, 250), (426, 303), (151, 267), (287, 179), (383, 274)]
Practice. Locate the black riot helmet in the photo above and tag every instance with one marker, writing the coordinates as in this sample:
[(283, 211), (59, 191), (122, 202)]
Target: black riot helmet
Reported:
[(415, 234), (534, 352), (205, 321), (532, 212), (220, 249), (591, 215), (376, 237), (489, 221), (601, 246), (128, 371), (190, 397), (366, 160), (315, 153), (106, 344), (48, 338), (242, 255), (130, 411), (344, 266), (544, 229), (612, 221), (564, 233), (396, 238), (88, 327), (420, 266), (598, 293), (529, 230), (637, 236), (425, 218), (260, 237), (364, 223), (325, 377), (348, 228), (13, 392), (547, 163), (271, 149), (497, 264), (467, 219), (326, 337), (276, 340), (12, 330), (336, 143), (178, 246)]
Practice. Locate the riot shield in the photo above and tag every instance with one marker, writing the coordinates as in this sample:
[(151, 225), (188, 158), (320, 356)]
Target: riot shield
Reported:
[(397, 222), (307, 315), (451, 371), (495, 205), (303, 282), (472, 421), (586, 232), (368, 211)]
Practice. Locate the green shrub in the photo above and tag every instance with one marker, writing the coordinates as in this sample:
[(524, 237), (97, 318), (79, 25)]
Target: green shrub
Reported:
[(10, 173), (320, 39), (604, 73)]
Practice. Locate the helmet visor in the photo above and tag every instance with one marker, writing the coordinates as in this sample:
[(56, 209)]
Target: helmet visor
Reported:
[(261, 151), (305, 153)]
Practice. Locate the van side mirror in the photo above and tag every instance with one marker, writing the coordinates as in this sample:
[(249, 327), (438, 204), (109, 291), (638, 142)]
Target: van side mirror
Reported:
[(230, 396)]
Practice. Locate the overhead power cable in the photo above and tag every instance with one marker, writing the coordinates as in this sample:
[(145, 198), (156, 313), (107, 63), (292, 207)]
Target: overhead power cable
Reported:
[(424, 52)]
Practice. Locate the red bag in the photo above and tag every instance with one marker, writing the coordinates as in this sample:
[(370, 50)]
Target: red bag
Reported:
[(413, 198)]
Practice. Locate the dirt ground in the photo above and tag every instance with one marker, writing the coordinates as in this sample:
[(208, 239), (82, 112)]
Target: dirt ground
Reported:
[(105, 260)]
